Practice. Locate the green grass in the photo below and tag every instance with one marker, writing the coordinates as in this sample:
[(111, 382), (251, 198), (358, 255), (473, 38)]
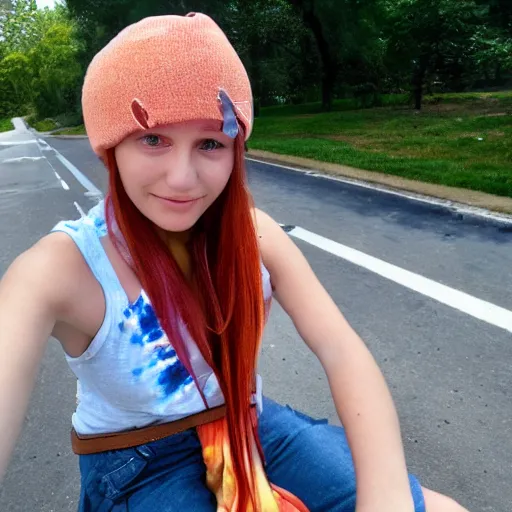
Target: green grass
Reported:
[(42, 125), (45, 125), (439, 145), (6, 125), (76, 130)]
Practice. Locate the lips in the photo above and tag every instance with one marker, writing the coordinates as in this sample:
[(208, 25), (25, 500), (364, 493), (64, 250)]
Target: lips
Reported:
[(179, 205), (179, 200)]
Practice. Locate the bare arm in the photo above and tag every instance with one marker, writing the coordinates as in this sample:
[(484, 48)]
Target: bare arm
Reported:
[(31, 295), (361, 396)]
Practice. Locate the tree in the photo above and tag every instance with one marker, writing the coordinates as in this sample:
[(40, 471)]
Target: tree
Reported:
[(344, 30), (15, 84), (98, 21), (39, 69), (57, 72), (431, 36), (275, 48), (17, 24)]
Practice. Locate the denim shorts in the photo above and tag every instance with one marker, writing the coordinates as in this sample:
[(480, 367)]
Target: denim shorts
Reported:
[(307, 457)]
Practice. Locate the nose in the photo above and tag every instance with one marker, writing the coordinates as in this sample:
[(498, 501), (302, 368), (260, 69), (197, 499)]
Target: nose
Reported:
[(180, 170)]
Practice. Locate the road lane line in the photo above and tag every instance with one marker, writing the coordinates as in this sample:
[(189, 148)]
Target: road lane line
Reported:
[(490, 313), (43, 145), (81, 178), (79, 208), (22, 159), (480, 309), (17, 143), (65, 186)]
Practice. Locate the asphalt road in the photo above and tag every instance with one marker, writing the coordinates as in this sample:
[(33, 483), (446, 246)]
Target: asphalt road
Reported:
[(450, 373)]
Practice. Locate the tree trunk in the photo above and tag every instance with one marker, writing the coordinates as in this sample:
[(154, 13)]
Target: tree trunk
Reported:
[(418, 78), (497, 73), (329, 62), (418, 96)]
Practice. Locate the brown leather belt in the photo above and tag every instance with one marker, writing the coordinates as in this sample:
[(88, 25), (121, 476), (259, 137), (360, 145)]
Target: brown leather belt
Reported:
[(96, 443)]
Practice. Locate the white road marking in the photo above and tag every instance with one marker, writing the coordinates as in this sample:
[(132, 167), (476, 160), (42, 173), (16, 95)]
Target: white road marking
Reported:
[(79, 208), (486, 311), (82, 179), (17, 143), (451, 205), (43, 145), (490, 313), (22, 159), (65, 186)]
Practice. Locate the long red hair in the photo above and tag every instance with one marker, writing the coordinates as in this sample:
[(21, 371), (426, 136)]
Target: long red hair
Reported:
[(226, 319)]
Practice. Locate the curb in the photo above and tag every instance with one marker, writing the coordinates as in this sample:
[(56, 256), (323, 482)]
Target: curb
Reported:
[(67, 136), (461, 196)]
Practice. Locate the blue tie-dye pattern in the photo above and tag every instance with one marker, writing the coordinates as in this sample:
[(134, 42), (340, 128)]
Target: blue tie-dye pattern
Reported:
[(173, 378), (100, 225), (70, 226), (146, 330)]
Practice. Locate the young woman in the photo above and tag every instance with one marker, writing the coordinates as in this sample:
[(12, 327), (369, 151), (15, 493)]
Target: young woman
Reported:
[(159, 297)]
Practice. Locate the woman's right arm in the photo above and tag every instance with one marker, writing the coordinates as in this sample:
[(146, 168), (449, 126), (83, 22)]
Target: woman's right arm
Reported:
[(32, 293)]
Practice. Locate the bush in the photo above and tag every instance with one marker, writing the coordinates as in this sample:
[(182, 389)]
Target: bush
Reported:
[(45, 125), (6, 125), (15, 85)]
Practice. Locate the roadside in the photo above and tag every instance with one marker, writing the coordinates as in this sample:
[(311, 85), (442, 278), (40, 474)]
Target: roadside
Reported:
[(473, 198), (462, 141), (457, 149), (6, 125), (482, 200), (463, 196)]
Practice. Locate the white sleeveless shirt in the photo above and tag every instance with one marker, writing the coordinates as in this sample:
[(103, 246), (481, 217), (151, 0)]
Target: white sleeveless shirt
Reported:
[(130, 376)]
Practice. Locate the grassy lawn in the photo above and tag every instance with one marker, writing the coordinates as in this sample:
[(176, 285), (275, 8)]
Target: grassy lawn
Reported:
[(462, 140), (76, 130), (6, 125)]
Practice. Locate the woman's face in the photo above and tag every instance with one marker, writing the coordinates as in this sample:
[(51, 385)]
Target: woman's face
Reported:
[(173, 173)]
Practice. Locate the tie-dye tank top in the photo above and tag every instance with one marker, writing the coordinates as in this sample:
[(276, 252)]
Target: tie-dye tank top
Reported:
[(130, 375)]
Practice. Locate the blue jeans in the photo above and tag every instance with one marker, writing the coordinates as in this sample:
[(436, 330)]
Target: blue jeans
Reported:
[(308, 457)]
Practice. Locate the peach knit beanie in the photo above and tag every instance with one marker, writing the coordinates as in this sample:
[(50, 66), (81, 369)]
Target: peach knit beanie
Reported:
[(162, 70)]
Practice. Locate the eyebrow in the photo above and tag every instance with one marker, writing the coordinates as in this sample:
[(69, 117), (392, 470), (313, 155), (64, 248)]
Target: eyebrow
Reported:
[(211, 125)]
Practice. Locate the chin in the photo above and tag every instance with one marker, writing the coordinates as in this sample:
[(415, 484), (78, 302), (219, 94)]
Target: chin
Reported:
[(176, 224), (172, 221)]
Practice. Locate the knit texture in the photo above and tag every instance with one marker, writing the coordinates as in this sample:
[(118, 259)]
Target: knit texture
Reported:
[(162, 70)]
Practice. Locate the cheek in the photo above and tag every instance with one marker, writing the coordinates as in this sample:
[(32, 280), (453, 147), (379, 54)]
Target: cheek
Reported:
[(215, 175), (130, 170)]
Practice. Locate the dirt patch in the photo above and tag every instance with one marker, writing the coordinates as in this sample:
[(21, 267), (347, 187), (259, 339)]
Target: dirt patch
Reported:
[(444, 107)]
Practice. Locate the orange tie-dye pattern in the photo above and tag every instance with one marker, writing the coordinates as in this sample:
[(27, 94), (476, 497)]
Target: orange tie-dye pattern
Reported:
[(220, 477)]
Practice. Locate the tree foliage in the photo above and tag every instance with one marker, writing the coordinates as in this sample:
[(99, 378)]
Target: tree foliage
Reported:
[(295, 50), (39, 70)]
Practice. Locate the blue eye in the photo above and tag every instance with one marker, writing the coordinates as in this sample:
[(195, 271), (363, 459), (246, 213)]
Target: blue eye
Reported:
[(151, 140), (211, 145)]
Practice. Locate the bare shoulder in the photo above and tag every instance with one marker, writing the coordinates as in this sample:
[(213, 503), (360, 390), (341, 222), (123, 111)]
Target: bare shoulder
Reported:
[(265, 224), (275, 245), (46, 269)]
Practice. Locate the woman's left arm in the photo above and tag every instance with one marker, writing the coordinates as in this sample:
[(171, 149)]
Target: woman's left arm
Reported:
[(360, 393)]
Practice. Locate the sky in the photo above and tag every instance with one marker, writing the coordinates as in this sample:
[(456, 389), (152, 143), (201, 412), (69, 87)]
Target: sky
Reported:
[(45, 3)]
